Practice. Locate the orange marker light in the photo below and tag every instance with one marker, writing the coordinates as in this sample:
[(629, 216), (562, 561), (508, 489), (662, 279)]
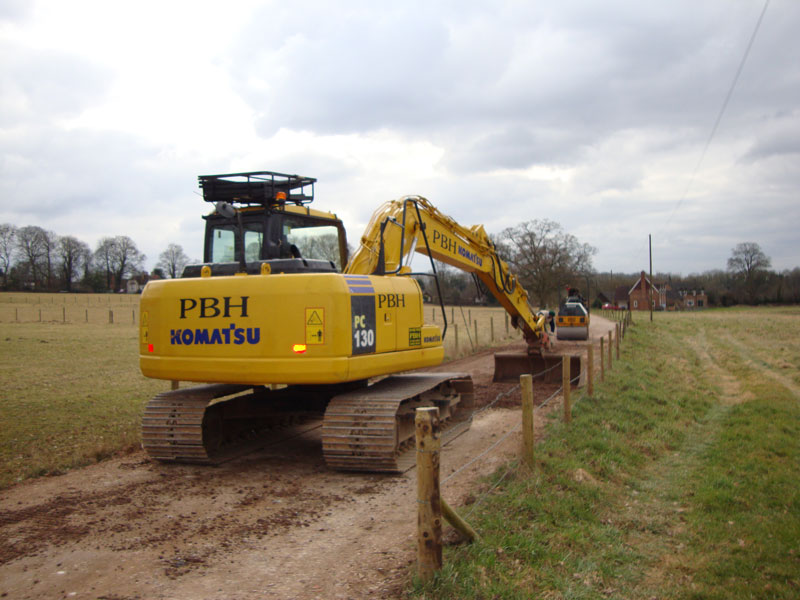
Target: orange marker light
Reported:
[(299, 348), (150, 347), (280, 196)]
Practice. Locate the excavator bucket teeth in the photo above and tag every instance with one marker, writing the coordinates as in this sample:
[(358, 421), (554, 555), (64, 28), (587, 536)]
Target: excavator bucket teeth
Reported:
[(508, 366)]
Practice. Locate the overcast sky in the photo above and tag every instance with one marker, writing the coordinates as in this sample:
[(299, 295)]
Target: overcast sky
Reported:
[(593, 114)]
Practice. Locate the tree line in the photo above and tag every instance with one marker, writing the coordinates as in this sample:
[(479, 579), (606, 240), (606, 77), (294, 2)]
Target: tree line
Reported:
[(747, 279), (35, 259), (546, 259)]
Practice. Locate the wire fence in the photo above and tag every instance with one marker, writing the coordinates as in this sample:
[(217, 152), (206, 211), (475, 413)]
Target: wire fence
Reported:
[(574, 381), (505, 436)]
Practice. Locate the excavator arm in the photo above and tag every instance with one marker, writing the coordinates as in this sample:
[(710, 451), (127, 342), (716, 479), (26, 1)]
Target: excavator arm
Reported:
[(400, 227)]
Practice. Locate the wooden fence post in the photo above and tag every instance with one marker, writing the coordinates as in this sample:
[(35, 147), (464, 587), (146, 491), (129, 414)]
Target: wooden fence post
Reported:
[(175, 384), (590, 369), (506, 324), (610, 350), (456, 332), (475, 323), (565, 385), (491, 326), (429, 503), (602, 360), (87, 315), (110, 316), (526, 386), (619, 329)]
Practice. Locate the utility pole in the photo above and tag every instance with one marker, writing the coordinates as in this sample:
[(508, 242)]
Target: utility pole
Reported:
[(650, 246)]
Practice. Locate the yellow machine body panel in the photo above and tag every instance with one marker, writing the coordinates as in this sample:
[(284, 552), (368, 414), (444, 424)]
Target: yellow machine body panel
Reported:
[(299, 328), (572, 321)]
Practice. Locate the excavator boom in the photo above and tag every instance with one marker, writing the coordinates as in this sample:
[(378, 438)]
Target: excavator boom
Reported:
[(400, 227)]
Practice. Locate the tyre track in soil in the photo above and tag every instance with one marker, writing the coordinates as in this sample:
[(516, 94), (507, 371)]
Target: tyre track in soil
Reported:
[(273, 524)]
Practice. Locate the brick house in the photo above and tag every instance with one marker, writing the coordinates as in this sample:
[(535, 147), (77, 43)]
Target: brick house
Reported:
[(639, 294), (664, 297), (693, 299)]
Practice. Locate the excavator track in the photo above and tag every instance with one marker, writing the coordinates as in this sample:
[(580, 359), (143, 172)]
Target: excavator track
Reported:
[(372, 428), (199, 425)]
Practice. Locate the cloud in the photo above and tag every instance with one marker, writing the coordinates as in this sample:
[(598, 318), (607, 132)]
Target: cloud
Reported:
[(46, 84), (593, 115), (496, 87), (15, 10), (779, 136)]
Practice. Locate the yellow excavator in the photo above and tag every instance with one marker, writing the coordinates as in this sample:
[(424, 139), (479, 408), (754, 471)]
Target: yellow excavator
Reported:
[(277, 324)]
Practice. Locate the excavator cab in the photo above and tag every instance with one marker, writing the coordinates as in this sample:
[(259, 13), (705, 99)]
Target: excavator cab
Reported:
[(263, 218)]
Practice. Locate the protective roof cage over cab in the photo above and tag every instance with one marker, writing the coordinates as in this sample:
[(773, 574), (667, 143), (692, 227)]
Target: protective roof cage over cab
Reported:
[(262, 188)]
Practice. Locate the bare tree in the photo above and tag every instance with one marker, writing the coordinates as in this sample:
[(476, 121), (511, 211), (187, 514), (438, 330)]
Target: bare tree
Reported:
[(544, 257), (173, 260), (73, 255), (126, 258), (49, 243), (119, 256), (8, 236), (749, 263), (102, 256), (33, 247)]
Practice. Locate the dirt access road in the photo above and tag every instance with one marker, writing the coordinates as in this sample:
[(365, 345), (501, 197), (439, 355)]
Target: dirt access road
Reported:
[(273, 524)]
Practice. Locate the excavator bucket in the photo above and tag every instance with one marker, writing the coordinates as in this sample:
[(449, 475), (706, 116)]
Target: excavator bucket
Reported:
[(508, 366)]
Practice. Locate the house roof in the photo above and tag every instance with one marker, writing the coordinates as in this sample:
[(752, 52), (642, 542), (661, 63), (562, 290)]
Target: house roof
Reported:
[(604, 296), (621, 293), (644, 278)]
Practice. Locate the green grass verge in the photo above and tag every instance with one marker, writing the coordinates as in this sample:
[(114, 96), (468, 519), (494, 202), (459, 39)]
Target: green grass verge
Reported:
[(679, 479), (72, 395)]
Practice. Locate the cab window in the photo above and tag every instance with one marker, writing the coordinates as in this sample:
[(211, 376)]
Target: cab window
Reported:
[(312, 240), (223, 240), (253, 241)]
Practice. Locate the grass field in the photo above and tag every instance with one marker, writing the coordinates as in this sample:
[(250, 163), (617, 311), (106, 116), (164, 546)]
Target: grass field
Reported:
[(679, 479), (72, 394), (72, 391), (17, 307)]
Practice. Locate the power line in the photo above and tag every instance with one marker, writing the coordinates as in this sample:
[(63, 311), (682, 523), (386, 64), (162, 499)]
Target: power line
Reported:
[(721, 110)]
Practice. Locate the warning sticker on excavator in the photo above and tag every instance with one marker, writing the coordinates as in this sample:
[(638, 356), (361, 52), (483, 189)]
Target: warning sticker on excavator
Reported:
[(315, 326)]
